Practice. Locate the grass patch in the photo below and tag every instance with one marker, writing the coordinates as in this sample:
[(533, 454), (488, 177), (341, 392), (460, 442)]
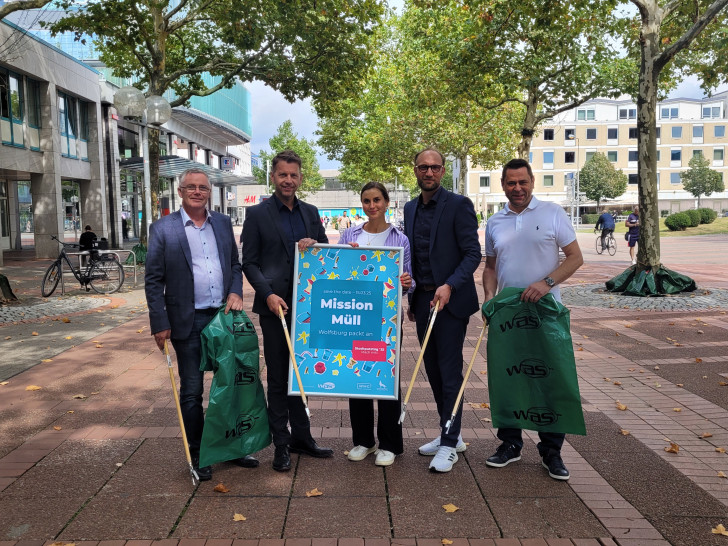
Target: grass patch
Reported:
[(719, 226)]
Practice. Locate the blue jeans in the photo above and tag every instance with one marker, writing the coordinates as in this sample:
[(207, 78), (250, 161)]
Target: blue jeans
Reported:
[(190, 378)]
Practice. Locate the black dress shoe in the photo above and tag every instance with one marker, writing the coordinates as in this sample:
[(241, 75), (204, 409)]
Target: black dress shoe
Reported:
[(204, 473), (281, 459), (310, 447), (246, 462)]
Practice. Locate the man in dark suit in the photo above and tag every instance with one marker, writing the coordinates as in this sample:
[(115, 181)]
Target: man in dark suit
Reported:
[(192, 269), (443, 232), (271, 233)]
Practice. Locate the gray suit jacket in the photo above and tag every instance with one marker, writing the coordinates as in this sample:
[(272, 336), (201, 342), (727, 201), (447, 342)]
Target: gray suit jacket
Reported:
[(267, 260), (168, 281)]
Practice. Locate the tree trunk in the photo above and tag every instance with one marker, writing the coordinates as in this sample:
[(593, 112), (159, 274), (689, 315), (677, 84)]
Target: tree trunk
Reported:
[(463, 174), (648, 251), (154, 170), (529, 124)]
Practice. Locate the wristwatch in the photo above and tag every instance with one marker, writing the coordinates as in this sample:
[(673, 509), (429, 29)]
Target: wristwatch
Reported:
[(549, 281)]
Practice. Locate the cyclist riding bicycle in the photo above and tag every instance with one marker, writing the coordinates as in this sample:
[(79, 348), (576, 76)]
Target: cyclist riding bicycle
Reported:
[(606, 223)]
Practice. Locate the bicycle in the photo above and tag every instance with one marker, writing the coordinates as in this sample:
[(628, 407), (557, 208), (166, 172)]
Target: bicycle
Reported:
[(611, 244), (103, 272)]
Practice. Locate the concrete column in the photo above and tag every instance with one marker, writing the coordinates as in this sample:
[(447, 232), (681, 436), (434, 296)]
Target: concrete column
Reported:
[(48, 210), (93, 191)]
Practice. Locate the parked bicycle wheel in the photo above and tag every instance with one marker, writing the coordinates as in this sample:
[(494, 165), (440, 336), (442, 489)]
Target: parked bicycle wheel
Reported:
[(106, 276), (599, 245), (50, 279), (612, 248)]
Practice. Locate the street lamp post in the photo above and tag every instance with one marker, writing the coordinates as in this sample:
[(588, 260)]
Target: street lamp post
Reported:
[(153, 110), (575, 187)]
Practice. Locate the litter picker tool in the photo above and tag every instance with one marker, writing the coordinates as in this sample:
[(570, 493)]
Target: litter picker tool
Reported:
[(195, 477), (419, 360), (293, 360), (465, 380)]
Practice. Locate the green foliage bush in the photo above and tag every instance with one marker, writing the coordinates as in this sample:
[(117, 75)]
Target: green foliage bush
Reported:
[(694, 217), (589, 218), (678, 221), (707, 216)]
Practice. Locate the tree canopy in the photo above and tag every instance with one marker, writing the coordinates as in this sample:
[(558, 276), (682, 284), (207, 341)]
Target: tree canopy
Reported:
[(286, 139), (700, 179), (600, 180)]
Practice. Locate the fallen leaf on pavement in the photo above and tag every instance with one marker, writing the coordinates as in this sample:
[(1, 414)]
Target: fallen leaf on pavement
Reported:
[(450, 508), (63, 544), (674, 448), (69, 337), (446, 541), (628, 326), (34, 333), (631, 369), (679, 385), (657, 368), (722, 384), (618, 383), (721, 474), (624, 432), (486, 419), (698, 360), (720, 449), (4, 382), (314, 492), (99, 346), (66, 320), (720, 530), (706, 435), (220, 488), (47, 360), (677, 409), (620, 406), (8, 337), (580, 349), (80, 396), (239, 517), (33, 388), (70, 411), (56, 428)]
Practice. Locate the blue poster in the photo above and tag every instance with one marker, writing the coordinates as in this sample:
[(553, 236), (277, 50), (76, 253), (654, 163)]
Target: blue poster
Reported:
[(346, 321)]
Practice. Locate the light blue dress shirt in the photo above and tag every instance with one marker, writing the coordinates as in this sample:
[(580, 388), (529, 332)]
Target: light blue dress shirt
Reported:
[(206, 267)]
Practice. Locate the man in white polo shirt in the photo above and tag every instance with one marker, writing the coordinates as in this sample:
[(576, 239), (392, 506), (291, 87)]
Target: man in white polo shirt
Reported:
[(522, 244)]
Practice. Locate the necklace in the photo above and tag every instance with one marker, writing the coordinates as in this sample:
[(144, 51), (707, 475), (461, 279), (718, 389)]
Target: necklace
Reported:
[(371, 237)]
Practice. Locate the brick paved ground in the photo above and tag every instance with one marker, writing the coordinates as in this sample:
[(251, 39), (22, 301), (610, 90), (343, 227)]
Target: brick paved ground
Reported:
[(107, 468)]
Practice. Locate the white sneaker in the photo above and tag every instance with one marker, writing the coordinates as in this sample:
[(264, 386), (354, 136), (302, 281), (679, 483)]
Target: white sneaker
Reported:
[(443, 461), (359, 453), (430, 448), (384, 457), (634, 262)]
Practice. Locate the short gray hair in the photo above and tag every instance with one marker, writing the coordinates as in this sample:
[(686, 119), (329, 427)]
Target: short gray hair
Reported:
[(193, 170)]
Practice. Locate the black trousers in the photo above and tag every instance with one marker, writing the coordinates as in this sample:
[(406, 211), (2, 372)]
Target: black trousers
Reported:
[(282, 409), (443, 360), (550, 443), (605, 233), (389, 431)]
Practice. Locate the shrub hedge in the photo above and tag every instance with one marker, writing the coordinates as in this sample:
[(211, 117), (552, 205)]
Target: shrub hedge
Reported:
[(589, 218), (678, 221), (707, 216), (694, 217)]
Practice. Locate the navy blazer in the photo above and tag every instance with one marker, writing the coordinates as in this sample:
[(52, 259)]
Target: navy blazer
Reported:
[(454, 248), (168, 281), (267, 260)]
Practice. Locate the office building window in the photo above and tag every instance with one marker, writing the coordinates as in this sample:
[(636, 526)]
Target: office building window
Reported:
[(548, 180), (711, 111), (668, 113), (530, 157), (675, 155), (569, 134), (34, 104), (627, 113), (717, 154), (632, 155), (12, 105), (83, 121), (588, 155), (675, 178), (719, 131), (484, 181), (632, 178), (612, 156), (658, 131), (612, 133), (591, 134), (697, 131), (569, 157), (548, 157), (658, 155), (585, 115), (697, 153), (68, 124), (548, 134), (633, 132), (677, 132)]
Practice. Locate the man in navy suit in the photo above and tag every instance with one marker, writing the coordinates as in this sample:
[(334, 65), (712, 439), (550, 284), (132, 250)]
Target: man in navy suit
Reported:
[(443, 232), (271, 233), (192, 269)]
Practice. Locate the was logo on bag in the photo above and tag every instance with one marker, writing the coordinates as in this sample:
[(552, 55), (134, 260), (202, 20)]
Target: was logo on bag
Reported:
[(523, 320), (530, 367), (245, 377), (537, 416), (243, 424)]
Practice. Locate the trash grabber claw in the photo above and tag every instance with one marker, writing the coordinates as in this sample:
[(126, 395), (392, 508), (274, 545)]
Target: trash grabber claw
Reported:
[(465, 380), (419, 360), (293, 359), (195, 477)]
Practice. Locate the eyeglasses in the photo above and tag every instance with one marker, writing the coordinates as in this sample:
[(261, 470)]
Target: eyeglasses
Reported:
[(424, 168), (193, 189)]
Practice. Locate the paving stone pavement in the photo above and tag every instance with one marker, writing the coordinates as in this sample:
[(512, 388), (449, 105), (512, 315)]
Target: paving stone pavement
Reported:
[(95, 458)]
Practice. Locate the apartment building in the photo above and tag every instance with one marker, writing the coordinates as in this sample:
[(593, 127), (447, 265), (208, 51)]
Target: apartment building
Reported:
[(560, 148)]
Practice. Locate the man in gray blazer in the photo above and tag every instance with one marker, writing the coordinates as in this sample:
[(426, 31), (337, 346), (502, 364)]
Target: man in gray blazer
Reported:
[(271, 233), (192, 269)]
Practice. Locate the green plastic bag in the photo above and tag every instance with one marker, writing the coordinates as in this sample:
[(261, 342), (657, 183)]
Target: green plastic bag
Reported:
[(531, 368), (236, 421)]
